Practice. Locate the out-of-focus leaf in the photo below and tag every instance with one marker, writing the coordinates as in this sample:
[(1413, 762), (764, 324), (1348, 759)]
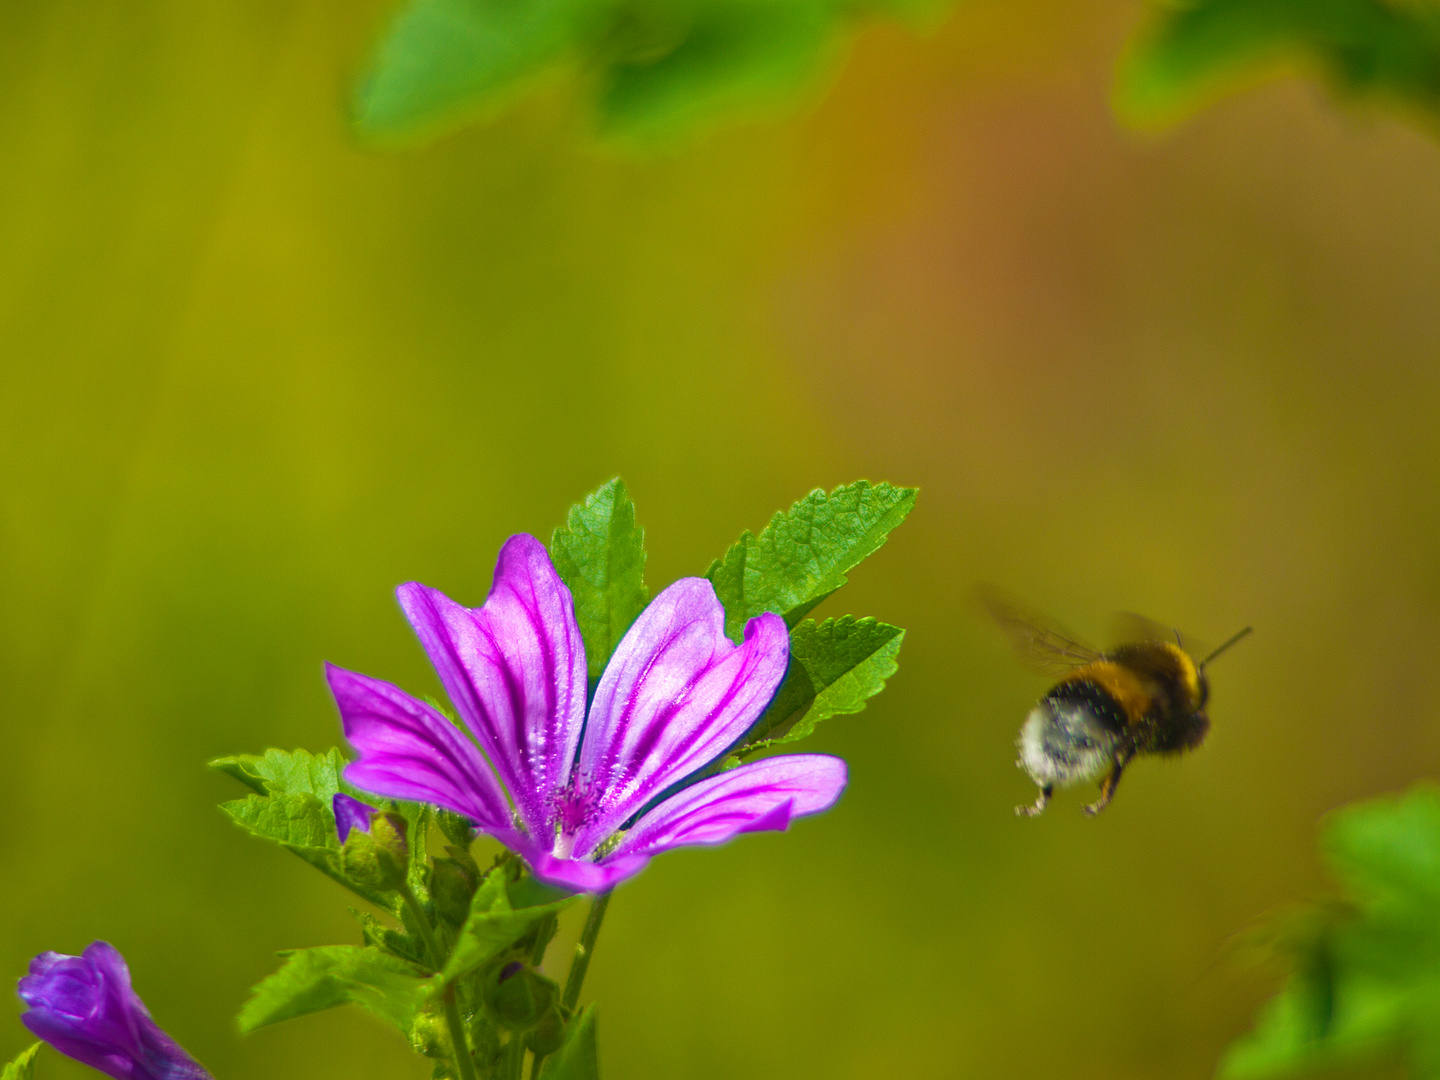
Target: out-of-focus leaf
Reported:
[(579, 1055), (502, 912), (1191, 52), (443, 60), (717, 56), (23, 1067), (657, 68), (802, 556), (321, 978), (600, 554), (835, 667), (1365, 973)]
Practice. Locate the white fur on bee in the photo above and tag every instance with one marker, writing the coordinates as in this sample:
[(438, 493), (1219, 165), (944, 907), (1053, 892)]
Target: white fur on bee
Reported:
[(1062, 743)]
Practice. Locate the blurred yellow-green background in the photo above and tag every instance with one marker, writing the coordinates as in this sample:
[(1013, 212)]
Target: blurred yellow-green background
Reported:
[(252, 377)]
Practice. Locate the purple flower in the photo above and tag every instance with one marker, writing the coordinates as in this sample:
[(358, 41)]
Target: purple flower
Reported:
[(676, 695), (351, 814), (84, 1007)]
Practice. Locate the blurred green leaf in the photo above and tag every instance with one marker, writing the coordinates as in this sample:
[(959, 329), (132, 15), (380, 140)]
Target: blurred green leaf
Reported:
[(600, 554), (330, 975), (579, 1056), (23, 1067), (835, 667), (680, 63), (442, 60), (802, 556), (502, 913), (657, 68), (1365, 973), (1191, 52)]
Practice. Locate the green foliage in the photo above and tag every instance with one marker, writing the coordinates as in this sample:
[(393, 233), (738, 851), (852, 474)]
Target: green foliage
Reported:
[(654, 68), (600, 554), (23, 1067), (835, 666), (331, 975), (1193, 51), (502, 913), (579, 1056), (1365, 972), (292, 808), (802, 556)]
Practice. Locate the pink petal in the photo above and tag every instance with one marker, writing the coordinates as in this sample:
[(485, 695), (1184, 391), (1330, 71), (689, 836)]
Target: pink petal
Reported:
[(409, 751), (763, 795), (515, 669), (676, 695)]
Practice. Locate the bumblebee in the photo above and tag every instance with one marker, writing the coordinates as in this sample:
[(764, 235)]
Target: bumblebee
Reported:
[(1146, 696)]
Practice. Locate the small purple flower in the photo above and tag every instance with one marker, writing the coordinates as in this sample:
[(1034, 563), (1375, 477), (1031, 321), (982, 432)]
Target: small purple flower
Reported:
[(351, 814), (84, 1007), (676, 695)]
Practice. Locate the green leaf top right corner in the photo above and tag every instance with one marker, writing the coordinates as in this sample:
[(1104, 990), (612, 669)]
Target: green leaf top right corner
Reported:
[(1187, 54)]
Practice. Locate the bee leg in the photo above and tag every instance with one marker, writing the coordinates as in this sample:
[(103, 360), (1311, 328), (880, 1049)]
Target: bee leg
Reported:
[(1109, 784), (1038, 807)]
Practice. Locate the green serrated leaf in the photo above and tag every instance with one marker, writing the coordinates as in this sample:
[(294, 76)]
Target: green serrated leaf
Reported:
[(835, 667), (600, 554), (331, 975), (295, 771), (579, 1055), (442, 60), (803, 555), (501, 914), (23, 1067), (1190, 53)]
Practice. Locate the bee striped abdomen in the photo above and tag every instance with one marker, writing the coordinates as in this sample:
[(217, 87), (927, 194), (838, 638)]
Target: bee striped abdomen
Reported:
[(1113, 693)]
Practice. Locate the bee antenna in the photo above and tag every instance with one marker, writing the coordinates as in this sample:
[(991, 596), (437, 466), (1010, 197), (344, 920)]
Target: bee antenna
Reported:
[(1227, 645)]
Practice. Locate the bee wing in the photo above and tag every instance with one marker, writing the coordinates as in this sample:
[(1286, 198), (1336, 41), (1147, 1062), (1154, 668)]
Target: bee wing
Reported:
[(1128, 627), (1043, 644)]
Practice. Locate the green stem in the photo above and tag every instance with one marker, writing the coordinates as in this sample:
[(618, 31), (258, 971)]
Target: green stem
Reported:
[(463, 1059), (464, 1062), (423, 925), (580, 964), (584, 949), (515, 1056)]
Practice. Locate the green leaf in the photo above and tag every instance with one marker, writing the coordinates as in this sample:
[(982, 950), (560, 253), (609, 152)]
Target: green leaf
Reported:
[(443, 60), (803, 555), (23, 1067), (713, 57), (1365, 971), (502, 912), (294, 809), (1192, 52), (600, 555), (331, 975), (835, 667), (579, 1055)]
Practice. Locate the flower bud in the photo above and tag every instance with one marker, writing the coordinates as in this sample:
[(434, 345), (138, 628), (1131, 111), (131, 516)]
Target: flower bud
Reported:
[(452, 884), (430, 1035), (84, 1007), (546, 1036), (518, 998), (379, 857)]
